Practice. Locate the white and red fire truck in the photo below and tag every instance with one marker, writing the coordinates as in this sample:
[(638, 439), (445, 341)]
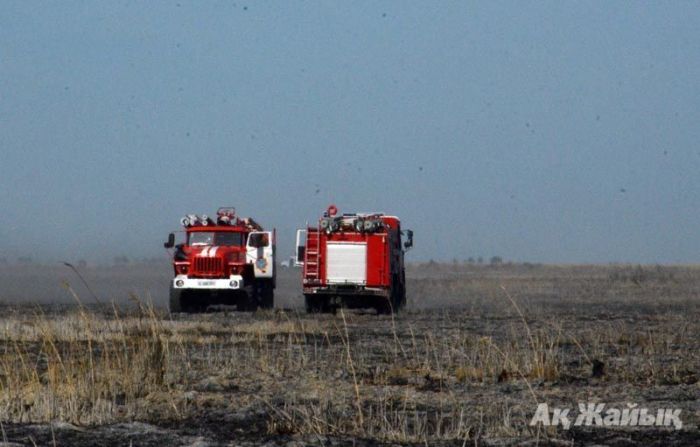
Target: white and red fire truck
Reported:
[(227, 260), (353, 260)]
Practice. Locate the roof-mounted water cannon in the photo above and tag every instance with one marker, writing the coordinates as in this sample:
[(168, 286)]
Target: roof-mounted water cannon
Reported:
[(372, 225), (359, 225), (226, 215), (331, 222), (368, 224)]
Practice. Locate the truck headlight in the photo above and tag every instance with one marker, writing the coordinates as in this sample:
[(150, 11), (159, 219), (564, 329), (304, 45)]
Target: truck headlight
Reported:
[(179, 283), (234, 283)]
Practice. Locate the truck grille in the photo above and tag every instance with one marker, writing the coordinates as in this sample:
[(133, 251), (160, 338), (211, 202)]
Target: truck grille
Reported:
[(208, 266)]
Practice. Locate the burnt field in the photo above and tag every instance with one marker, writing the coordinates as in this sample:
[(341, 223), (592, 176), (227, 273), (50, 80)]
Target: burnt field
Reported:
[(466, 364)]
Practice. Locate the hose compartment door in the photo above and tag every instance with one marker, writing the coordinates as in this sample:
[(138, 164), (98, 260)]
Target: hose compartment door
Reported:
[(346, 263)]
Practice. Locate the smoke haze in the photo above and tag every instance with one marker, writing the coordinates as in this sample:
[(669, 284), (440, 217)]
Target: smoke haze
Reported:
[(552, 132)]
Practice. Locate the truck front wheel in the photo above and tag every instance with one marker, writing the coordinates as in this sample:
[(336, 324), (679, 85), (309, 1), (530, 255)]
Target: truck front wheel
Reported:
[(175, 300)]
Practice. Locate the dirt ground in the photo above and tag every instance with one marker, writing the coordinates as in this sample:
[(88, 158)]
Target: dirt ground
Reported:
[(468, 362)]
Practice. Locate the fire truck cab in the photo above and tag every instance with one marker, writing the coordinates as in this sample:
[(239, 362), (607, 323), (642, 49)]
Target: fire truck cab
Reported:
[(353, 260), (227, 261)]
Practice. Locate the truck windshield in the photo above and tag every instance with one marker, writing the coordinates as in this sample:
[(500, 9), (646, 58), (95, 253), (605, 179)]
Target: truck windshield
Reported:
[(215, 238)]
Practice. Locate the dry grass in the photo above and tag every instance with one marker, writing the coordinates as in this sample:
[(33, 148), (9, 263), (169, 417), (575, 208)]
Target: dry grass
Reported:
[(79, 367), (423, 377)]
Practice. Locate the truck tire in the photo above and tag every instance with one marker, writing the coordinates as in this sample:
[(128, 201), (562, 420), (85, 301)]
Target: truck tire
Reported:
[(262, 296), (403, 289), (248, 302), (311, 304), (316, 304), (384, 305), (402, 298), (267, 295), (391, 304), (175, 300), (398, 297)]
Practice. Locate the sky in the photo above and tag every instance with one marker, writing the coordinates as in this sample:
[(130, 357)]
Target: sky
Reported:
[(558, 132)]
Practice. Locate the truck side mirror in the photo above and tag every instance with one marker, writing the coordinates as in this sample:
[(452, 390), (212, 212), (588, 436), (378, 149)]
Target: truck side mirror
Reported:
[(171, 241), (409, 240), (300, 248)]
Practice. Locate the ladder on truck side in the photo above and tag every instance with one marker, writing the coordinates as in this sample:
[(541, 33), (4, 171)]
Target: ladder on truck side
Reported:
[(312, 255)]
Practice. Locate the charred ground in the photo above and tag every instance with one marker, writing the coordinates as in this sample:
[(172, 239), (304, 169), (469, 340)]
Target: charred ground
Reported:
[(468, 361)]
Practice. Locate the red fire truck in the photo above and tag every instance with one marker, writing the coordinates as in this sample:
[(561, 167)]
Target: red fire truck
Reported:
[(228, 261), (353, 260)]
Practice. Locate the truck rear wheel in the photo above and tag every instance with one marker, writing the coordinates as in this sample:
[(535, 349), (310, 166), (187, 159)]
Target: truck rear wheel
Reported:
[(402, 298), (385, 305), (267, 295), (399, 297), (317, 304), (248, 303), (262, 295)]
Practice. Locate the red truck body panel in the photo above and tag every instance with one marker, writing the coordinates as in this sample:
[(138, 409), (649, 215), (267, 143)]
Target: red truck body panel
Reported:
[(219, 261)]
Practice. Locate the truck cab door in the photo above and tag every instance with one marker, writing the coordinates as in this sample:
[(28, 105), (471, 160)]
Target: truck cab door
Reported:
[(260, 251)]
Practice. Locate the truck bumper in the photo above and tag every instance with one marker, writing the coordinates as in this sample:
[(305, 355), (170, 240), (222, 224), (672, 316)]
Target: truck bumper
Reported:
[(346, 290), (233, 282)]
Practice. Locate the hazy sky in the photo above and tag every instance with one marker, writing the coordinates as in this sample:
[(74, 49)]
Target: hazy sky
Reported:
[(543, 131)]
